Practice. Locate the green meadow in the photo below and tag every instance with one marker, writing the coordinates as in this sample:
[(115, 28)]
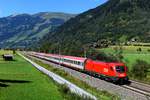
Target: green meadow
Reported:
[(19, 80), (128, 49), (130, 53), (5, 52)]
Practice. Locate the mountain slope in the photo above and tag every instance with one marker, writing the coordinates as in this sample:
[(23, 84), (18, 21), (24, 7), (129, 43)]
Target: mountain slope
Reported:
[(23, 29), (114, 21)]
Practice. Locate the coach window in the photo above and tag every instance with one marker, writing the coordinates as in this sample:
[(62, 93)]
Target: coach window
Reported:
[(61, 59), (71, 61), (66, 60), (76, 62), (81, 64)]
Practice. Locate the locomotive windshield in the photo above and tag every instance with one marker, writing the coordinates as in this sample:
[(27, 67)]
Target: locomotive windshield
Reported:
[(120, 69)]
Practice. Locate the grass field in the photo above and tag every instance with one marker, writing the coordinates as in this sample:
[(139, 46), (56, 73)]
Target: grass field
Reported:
[(20, 81), (5, 52), (129, 49), (130, 59), (130, 53)]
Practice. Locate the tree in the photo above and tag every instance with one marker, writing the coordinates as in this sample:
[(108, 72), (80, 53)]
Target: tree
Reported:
[(14, 51), (101, 56), (140, 69), (139, 49)]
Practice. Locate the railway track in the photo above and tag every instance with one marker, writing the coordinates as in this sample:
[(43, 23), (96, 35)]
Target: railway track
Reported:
[(138, 89), (140, 86), (139, 83)]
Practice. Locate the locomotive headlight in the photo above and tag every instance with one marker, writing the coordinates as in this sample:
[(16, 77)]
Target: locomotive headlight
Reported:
[(122, 75)]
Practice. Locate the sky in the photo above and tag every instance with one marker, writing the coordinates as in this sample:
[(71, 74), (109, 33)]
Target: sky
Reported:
[(9, 7)]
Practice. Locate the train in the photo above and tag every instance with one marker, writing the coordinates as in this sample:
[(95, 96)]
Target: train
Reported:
[(110, 71)]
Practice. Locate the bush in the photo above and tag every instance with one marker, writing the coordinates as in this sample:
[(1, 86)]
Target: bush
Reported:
[(102, 56), (70, 95), (140, 69), (139, 49), (65, 89), (14, 51), (118, 52)]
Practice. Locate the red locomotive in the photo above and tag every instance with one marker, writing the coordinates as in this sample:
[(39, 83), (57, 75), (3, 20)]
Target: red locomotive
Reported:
[(109, 71)]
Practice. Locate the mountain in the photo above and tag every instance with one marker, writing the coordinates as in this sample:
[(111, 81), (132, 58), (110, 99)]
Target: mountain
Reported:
[(114, 21), (21, 30)]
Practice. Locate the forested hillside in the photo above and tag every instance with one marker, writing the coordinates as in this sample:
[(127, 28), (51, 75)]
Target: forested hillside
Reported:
[(113, 22)]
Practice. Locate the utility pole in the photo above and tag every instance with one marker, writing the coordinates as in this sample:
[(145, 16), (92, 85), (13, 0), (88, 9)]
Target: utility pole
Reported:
[(59, 51), (85, 47), (84, 53)]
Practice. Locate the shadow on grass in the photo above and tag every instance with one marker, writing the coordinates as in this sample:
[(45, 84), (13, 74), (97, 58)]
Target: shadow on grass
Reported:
[(14, 60), (3, 82), (14, 81), (3, 85)]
